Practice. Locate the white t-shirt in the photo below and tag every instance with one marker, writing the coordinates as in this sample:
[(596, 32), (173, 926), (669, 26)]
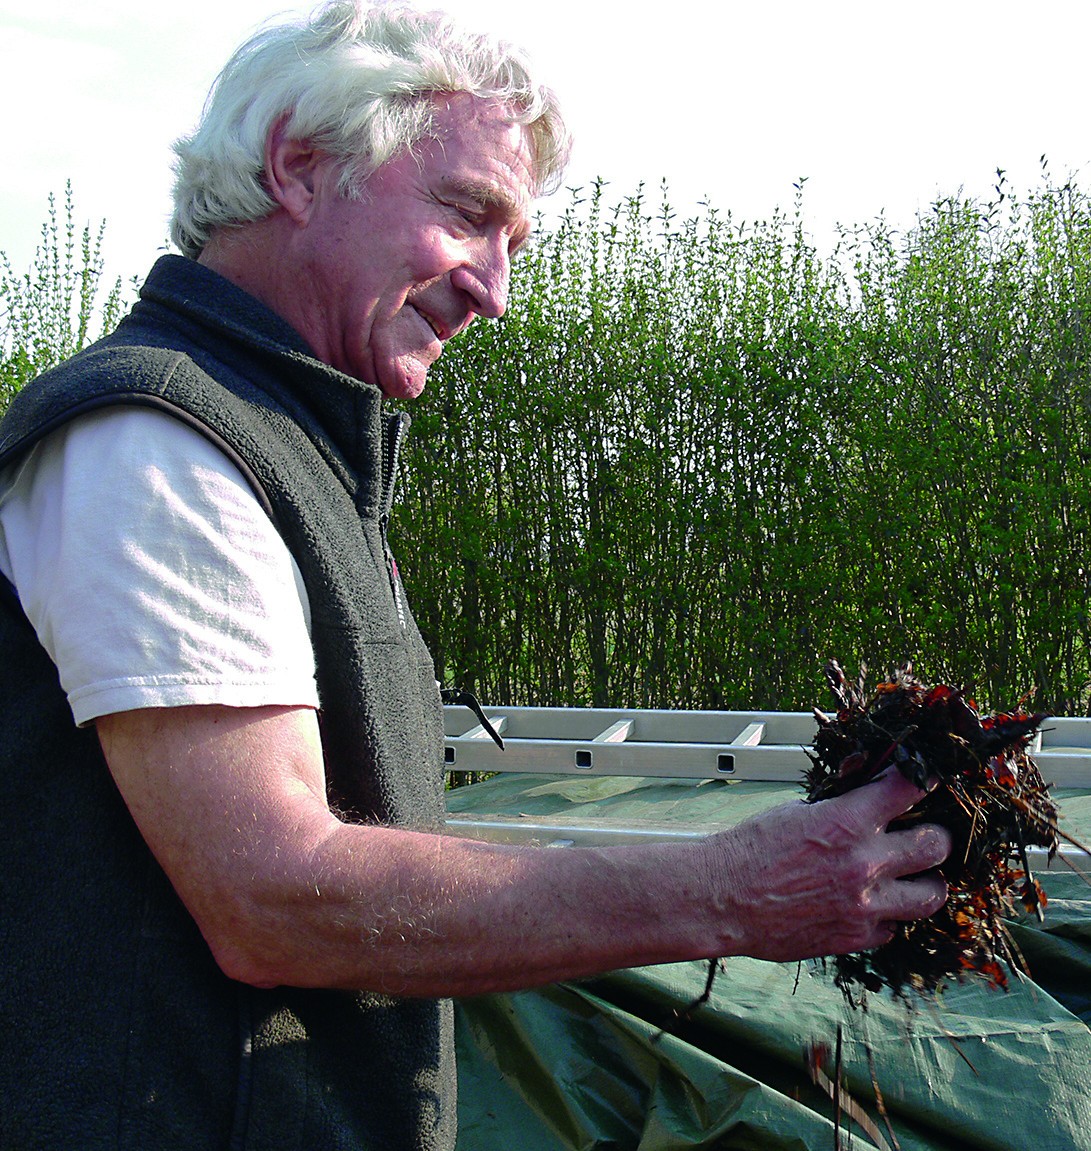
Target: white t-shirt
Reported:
[(150, 572)]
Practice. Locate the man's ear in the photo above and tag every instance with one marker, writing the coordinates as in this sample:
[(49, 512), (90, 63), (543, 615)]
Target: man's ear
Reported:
[(292, 168)]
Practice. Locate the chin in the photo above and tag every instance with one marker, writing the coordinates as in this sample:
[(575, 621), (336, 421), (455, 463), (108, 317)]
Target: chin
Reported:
[(405, 383), (404, 389)]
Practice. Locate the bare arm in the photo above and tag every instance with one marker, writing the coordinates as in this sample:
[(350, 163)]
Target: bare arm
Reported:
[(232, 803)]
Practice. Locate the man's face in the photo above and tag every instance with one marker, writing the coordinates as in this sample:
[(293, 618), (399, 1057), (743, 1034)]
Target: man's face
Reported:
[(387, 279)]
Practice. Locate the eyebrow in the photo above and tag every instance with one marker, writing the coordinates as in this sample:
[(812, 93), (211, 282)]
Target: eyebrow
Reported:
[(487, 194), (497, 198)]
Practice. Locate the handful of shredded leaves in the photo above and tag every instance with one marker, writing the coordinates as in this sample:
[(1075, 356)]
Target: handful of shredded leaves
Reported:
[(990, 797)]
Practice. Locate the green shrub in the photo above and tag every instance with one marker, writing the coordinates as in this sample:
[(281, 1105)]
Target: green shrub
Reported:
[(47, 313)]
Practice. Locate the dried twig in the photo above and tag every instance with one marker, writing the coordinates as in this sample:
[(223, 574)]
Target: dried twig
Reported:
[(839, 1096)]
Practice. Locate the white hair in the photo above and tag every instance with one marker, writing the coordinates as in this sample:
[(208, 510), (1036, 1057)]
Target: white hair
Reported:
[(355, 80)]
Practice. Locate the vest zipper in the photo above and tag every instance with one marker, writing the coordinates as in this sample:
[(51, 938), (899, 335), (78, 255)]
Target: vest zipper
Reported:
[(395, 432), (392, 572)]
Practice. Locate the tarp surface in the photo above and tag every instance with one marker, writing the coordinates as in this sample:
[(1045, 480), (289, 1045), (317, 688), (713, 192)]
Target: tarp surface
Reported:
[(586, 1066)]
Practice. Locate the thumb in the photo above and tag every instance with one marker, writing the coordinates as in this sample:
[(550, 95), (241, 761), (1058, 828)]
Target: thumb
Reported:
[(886, 797)]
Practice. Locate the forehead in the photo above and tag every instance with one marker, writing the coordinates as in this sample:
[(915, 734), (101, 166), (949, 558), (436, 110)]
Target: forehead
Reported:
[(476, 147)]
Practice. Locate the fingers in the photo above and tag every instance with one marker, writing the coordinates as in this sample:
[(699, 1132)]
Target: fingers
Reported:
[(824, 879), (918, 898), (895, 880), (901, 899), (917, 849), (885, 798), (874, 806), (905, 900)]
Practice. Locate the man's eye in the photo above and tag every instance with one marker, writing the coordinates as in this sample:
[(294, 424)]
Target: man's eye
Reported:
[(468, 213)]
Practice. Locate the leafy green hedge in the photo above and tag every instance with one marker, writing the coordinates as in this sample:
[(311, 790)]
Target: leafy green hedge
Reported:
[(695, 459)]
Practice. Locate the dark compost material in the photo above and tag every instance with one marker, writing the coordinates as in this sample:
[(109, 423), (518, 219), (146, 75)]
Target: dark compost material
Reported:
[(989, 795)]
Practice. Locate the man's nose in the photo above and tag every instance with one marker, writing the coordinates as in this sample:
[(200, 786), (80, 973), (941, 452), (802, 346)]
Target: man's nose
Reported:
[(485, 278)]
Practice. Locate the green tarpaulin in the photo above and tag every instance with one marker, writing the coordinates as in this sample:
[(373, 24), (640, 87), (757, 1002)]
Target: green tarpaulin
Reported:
[(585, 1066)]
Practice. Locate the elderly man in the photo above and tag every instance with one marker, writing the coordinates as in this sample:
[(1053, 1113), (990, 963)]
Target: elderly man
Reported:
[(230, 916)]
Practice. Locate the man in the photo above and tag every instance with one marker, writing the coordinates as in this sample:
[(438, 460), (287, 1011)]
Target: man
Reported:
[(230, 915)]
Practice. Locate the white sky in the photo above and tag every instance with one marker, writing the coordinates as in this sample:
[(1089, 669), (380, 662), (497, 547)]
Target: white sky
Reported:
[(881, 106)]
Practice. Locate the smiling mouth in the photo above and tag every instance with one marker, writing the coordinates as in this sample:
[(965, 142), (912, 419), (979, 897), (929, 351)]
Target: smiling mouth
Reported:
[(433, 324)]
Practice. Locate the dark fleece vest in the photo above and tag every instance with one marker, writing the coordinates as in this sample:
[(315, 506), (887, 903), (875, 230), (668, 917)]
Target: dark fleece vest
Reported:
[(117, 1028)]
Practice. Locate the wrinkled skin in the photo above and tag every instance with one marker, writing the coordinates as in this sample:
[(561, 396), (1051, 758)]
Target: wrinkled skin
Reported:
[(819, 879)]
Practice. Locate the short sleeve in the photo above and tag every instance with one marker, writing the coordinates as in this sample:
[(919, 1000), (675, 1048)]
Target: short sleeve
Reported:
[(150, 572)]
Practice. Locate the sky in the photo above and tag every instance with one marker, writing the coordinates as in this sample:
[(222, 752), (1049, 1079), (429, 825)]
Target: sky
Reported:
[(881, 107)]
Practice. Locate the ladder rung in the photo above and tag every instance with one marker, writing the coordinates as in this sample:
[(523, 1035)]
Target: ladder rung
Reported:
[(616, 733)]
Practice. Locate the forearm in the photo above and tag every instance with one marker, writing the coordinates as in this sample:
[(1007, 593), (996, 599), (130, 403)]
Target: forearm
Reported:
[(234, 807), (416, 914)]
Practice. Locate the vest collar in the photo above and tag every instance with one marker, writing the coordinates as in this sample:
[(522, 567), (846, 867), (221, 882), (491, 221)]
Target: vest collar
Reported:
[(219, 315)]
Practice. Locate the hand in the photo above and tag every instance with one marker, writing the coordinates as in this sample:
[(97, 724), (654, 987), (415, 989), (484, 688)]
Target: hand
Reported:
[(804, 880)]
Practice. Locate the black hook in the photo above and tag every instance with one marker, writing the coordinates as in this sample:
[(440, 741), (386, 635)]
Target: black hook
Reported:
[(458, 695)]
